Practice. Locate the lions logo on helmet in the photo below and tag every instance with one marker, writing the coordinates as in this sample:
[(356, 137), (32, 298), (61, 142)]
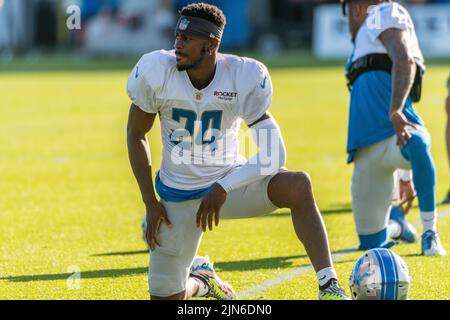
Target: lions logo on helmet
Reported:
[(380, 274)]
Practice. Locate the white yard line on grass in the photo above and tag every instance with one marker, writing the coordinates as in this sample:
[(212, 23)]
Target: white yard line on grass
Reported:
[(289, 275)]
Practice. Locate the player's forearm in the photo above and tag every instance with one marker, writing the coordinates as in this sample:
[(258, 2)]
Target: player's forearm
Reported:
[(140, 160), (403, 72), (270, 158), (397, 45)]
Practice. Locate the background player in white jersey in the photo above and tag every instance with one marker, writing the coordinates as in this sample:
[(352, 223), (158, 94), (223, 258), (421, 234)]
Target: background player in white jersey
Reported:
[(385, 132), (201, 97)]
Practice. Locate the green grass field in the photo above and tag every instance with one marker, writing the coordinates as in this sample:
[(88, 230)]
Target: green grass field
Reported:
[(68, 200)]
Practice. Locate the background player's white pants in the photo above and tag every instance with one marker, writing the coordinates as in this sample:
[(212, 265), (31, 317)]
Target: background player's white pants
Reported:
[(373, 184), (170, 263)]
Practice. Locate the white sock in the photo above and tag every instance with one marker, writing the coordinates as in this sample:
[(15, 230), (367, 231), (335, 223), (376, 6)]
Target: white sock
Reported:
[(325, 275), (202, 288), (395, 229), (429, 221)]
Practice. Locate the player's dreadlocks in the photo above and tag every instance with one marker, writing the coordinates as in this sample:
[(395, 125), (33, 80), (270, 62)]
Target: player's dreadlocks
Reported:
[(205, 11)]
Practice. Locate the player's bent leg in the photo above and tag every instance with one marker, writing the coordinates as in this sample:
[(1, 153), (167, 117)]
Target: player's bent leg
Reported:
[(418, 152), (245, 202), (294, 190)]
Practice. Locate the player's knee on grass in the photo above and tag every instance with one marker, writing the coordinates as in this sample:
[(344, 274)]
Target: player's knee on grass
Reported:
[(165, 285), (178, 296), (168, 273)]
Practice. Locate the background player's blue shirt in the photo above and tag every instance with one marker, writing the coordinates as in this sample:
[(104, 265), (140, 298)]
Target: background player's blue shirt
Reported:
[(369, 121)]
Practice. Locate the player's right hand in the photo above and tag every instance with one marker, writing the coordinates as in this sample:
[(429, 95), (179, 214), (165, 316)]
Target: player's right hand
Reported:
[(401, 126), (156, 214)]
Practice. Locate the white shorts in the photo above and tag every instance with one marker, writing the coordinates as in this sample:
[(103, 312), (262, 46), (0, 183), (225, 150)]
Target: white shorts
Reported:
[(170, 263), (373, 184)]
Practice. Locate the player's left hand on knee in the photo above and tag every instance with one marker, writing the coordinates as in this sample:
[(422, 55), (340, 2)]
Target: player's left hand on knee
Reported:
[(210, 206), (407, 195)]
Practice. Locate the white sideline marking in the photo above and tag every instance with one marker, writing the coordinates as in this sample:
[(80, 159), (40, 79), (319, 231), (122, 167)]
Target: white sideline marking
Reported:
[(289, 275), (273, 282)]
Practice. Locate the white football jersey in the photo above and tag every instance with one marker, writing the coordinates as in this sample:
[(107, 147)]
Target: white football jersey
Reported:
[(382, 17), (199, 127)]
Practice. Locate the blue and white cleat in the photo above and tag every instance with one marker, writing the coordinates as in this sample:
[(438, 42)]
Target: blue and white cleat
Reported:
[(332, 291), (203, 270), (409, 233), (431, 244)]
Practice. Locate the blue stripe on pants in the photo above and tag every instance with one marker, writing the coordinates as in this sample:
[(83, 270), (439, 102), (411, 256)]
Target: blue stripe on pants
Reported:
[(417, 152)]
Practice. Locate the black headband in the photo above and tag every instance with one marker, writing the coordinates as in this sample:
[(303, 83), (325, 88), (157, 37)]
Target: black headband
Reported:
[(198, 27)]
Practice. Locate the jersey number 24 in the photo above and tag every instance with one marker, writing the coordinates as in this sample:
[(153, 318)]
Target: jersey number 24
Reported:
[(209, 124)]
